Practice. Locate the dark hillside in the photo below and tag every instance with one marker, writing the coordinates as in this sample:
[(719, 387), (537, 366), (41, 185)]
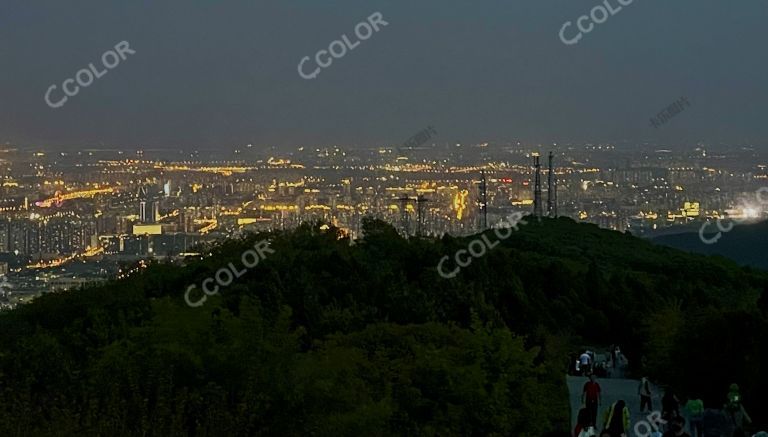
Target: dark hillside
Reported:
[(327, 338)]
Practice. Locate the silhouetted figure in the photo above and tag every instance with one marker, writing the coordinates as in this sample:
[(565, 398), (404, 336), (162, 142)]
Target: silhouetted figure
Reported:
[(694, 410), (616, 420), (591, 397), (582, 422), (585, 361), (644, 390), (670, 405), (735, 410)]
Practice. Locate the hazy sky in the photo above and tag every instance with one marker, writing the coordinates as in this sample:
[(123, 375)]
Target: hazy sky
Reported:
[(212, 73)]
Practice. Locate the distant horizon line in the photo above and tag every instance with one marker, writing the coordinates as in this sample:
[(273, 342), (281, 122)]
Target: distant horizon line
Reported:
[(623, 145)]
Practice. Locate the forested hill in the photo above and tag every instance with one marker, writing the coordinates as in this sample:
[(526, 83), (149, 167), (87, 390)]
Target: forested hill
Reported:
[(324, 337)]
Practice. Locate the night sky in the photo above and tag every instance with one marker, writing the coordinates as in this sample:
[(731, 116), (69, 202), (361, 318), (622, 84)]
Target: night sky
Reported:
[(212, 73)]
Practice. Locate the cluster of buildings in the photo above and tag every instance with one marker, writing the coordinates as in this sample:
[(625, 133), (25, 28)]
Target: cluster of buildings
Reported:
[(68, 218)]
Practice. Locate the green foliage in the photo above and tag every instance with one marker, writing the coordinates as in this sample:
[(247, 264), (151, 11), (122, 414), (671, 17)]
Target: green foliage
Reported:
[(328, 338)]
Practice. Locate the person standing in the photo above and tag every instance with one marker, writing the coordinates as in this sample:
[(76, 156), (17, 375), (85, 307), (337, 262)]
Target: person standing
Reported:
[(670, 405), (644, 390), (591, 398), (694, 409), (582, 422), (735, 410), (616, 419), (586, 363), (573, 364)]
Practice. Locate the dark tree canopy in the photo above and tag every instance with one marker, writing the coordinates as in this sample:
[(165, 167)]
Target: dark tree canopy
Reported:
[(324, 337)]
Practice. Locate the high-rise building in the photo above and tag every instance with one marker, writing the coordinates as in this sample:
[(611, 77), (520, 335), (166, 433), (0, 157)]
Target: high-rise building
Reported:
[(537, 206), (24, 236), (483, 202), (5, 239), (143, 211), (551, 189)]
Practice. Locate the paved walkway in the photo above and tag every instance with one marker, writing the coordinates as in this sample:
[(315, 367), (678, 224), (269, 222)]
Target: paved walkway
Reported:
[(613, 389)]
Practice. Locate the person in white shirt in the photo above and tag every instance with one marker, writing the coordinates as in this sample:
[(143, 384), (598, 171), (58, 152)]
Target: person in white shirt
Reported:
[(586, 363)]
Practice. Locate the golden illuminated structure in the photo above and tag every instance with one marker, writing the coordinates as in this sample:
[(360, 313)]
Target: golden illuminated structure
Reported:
[(58, 198), (460, 203), (209, 225), (148, 229)]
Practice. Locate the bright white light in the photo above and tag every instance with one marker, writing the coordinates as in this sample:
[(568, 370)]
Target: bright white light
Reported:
[(751, 213)]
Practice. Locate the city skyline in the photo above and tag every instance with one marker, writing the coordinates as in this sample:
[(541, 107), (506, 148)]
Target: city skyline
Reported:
[(68, 218)]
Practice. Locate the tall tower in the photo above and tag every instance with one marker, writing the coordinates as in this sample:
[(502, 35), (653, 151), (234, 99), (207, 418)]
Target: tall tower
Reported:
[(483, 201), (154, 214), (551, 189), (537, 207), (420, 200), (182, 220), (143, 216), (403, 199)]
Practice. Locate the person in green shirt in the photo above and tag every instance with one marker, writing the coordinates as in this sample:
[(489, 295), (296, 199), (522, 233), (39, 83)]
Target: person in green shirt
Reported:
[(694, 409)]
